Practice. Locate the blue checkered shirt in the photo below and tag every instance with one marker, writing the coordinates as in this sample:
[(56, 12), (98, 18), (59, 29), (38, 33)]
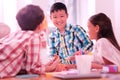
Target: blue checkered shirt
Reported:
[(75, 38)]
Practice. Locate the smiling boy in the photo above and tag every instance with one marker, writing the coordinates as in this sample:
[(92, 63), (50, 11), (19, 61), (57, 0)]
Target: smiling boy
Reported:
[(68, 38)]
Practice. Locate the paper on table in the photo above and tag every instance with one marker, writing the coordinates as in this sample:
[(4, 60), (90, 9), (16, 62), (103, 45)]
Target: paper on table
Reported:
[(74, 74), (27, 76)]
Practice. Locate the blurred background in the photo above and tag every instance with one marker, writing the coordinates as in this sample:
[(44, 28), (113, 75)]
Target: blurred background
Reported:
[(79, 11)]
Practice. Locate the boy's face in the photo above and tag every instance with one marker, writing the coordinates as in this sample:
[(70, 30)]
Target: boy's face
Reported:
[(59, 19)]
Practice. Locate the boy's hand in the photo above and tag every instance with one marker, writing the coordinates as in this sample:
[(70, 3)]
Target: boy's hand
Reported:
[(52, 64), (61, 67), (72, 58), (55, 59)]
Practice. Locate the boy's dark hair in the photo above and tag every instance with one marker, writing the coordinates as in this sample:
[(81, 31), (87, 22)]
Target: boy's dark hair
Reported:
[(58, 6), (30, 17)]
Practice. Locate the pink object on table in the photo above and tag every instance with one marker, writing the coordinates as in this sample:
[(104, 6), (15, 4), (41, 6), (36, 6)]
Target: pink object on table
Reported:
[(4, 30)]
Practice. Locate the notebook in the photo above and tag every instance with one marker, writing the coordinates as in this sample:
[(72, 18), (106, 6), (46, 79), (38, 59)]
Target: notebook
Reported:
[(74, 74), (27, 76)]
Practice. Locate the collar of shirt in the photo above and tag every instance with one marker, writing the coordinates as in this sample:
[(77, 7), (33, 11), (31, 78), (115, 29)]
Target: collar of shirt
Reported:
[(68, 30)]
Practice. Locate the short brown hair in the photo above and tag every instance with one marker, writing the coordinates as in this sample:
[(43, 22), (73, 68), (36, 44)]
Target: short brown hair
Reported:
[(29, 17)]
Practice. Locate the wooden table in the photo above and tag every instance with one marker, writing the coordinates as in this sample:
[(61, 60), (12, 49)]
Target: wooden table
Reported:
[(49, 76), (44, 77)]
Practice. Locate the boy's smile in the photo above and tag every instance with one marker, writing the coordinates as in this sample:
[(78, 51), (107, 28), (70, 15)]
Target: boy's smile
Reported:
[(59, 19)]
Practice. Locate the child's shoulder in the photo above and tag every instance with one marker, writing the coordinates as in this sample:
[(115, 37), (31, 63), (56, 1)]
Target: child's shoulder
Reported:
[(72, 27), (54, 33), (77, 28), (103, 41)]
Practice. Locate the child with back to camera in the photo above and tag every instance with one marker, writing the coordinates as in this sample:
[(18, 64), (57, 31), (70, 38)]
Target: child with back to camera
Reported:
[(20, 51)]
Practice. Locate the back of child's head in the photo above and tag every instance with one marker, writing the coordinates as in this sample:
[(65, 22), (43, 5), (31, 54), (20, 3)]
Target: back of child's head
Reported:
[(58, 6), (30, 17)]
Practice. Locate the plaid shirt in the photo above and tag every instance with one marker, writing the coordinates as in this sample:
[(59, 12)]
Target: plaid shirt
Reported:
[(20, 50), (75, 38)]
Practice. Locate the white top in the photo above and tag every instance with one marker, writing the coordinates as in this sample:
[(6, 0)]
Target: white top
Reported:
[(104, 48)]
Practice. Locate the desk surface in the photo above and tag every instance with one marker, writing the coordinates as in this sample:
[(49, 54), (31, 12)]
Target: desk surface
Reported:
[(49, 76), (43, 77)]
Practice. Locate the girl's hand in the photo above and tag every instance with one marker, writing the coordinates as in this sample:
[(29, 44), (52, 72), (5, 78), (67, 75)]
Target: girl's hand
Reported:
[(96, 66)]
